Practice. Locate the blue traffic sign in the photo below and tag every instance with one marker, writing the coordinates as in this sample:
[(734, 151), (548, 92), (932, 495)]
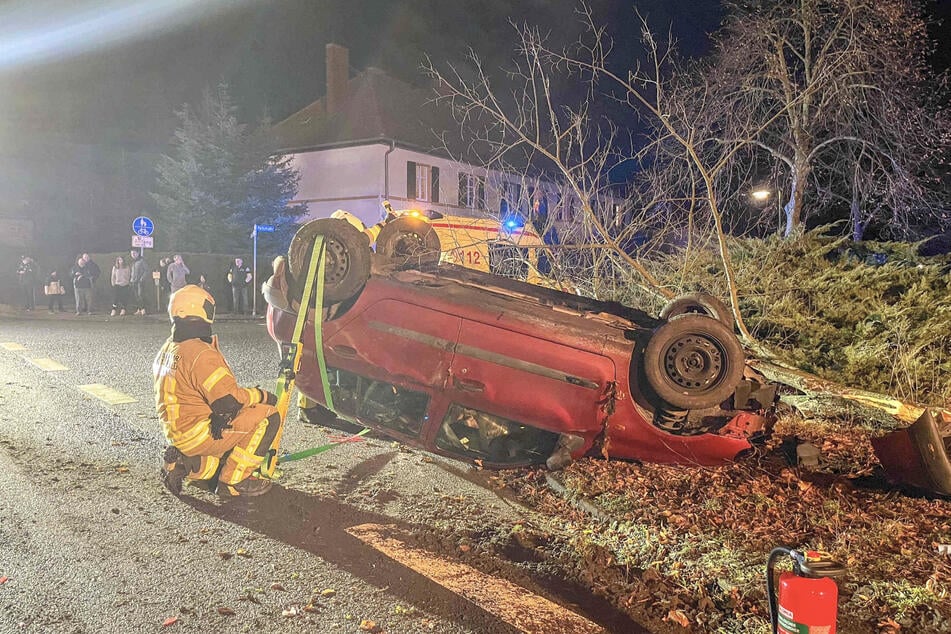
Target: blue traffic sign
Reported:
[(264, 228), (143, 226)]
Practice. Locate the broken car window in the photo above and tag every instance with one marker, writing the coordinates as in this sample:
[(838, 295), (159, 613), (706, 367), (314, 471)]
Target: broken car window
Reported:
[(469, 433), (397, 408)]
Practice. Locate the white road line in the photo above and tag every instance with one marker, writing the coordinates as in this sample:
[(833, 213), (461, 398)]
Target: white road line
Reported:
[(45, 363), (107, 394), (513, 604), (13, 346)]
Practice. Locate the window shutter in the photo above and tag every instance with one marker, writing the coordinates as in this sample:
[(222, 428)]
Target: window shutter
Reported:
[(463, 183), (480, 201), (435, 178), (411, 179)]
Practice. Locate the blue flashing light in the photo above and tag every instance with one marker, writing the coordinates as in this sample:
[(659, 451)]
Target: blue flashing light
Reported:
[(511, 224)]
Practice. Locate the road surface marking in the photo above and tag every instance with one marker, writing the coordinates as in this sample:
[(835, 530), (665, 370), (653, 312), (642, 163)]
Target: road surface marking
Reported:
[(513, 604), (106, 394), (12, 345), (45, 363)]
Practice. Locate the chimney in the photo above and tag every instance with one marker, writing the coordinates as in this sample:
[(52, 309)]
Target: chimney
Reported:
[(338, 77)]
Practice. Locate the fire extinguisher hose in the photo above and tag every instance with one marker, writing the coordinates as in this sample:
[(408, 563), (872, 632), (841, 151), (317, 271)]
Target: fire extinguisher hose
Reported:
[(776, 553)]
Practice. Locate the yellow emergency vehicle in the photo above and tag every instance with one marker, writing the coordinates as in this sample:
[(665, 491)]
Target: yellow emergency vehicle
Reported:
[(508, 247)]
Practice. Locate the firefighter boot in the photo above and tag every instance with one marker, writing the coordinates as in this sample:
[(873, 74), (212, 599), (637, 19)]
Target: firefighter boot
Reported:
[(175, 468), (249, 487)]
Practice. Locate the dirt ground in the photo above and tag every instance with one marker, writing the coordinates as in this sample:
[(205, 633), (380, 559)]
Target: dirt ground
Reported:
[(684, 549)]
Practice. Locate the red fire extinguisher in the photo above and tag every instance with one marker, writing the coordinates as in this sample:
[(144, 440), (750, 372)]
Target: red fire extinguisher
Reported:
[(808, 596)]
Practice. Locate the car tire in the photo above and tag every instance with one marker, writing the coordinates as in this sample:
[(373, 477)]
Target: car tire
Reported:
[(693, 362), (346, 253), (700, 304), (408, 242)]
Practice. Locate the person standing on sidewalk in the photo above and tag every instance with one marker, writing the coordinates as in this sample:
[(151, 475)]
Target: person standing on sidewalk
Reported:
[(139, 272), (82, 286), (239, 276), (94, 273), (54, 290), (121, 279), (177, 273), (26, 278)]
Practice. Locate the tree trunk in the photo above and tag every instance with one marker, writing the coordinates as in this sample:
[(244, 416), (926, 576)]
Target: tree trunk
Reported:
[(858, 224), (793, 206), (820, 396)]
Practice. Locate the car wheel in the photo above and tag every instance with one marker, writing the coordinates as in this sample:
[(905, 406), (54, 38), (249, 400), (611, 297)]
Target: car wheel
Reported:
[(693, 362), (408, 242), (700, 304), (346, 258)]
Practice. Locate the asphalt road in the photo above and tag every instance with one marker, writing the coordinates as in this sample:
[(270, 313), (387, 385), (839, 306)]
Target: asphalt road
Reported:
[(90, 541)]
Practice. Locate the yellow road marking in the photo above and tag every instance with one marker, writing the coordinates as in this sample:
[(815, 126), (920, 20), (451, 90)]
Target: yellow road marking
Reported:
[(45, 363), (513, 604), (106, 394), (12, 345)]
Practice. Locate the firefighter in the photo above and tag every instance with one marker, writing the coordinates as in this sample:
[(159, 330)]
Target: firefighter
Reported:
[(218, 431)]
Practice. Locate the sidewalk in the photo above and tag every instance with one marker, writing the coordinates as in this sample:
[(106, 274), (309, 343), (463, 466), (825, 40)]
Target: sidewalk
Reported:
[(41, 313)]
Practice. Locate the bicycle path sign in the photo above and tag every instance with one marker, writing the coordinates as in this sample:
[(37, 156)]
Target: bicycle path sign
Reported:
[(143, 226)]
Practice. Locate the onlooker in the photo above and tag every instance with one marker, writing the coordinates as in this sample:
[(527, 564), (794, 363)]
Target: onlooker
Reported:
[(203, 283), (164, 287), (139, 271), (239, 276), (121, 279), (94, 273), (26, 278), (82, 285), (177, 273), (54, 290)]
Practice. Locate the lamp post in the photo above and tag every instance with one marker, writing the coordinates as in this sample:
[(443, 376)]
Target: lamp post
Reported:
[(761, 194)]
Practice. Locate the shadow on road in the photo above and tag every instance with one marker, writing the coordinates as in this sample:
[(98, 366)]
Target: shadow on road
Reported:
[(319, 526)]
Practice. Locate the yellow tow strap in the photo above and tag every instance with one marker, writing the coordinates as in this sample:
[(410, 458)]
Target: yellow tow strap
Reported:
[(291, 352)]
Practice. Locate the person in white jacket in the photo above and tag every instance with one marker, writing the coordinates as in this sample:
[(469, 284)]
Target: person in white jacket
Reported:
[(121, 278)]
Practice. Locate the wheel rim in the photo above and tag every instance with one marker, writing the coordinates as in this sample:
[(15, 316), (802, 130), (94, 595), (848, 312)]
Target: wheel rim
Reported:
[(695, 363), (336, 262)]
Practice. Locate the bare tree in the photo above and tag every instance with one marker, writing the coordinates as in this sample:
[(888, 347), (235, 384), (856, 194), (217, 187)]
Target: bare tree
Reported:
[(849, 79)]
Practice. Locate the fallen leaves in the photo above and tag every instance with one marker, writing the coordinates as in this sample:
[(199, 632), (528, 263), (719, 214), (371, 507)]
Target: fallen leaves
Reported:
[(172, 620), (678, 617), (367, 625), (4, 579), (225, 611)]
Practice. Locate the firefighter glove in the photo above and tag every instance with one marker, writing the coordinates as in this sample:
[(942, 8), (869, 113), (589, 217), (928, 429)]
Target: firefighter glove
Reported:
[(219, 423), (266, 397)]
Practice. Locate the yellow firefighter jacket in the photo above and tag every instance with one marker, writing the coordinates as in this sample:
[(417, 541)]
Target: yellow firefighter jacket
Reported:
[(192, 381)]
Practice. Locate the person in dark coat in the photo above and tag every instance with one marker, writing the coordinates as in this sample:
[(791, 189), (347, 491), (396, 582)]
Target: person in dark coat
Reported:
[(26, 278), (82, 286), (239, 277)]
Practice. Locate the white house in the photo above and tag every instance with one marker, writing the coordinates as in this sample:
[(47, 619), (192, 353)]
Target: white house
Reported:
[(373, 138)]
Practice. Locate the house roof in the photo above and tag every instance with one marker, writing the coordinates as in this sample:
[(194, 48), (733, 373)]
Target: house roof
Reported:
[(378, 106)]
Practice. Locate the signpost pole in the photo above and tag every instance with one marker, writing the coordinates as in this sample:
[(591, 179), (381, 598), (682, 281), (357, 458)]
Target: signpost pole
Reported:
[(254, 275)]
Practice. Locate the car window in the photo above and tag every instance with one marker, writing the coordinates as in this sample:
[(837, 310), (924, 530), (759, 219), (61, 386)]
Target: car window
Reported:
[(391, 406), (469, 433)]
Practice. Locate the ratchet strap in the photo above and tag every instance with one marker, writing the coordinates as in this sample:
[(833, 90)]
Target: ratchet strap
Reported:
[(291, 358)]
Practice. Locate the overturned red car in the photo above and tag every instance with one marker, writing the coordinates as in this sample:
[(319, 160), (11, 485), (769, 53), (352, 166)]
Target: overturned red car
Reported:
[(484, 368)]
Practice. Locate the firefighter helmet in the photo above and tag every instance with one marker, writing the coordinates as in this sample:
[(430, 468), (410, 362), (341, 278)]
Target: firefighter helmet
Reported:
[(192, 302)]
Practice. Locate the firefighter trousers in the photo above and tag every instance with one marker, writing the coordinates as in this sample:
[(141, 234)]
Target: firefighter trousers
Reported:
[(249, 439)]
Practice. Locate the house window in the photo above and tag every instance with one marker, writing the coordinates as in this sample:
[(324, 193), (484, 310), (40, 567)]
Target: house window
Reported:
[(422, 182), (471, 191)]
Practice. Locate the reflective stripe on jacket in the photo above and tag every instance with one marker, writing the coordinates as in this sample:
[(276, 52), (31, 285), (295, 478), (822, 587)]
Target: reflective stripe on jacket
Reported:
[(189, 377)]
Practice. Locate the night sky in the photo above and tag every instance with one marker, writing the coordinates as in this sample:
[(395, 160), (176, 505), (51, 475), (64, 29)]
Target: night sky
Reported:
[(271, 53)]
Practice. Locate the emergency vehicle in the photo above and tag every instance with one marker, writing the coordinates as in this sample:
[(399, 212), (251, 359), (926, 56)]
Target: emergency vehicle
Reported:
[(508, 247)]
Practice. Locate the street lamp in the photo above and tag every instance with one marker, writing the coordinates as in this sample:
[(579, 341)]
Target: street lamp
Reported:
[(761, 194)]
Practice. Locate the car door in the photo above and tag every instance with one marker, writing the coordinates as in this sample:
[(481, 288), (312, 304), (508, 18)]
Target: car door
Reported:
[(532, 379)]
